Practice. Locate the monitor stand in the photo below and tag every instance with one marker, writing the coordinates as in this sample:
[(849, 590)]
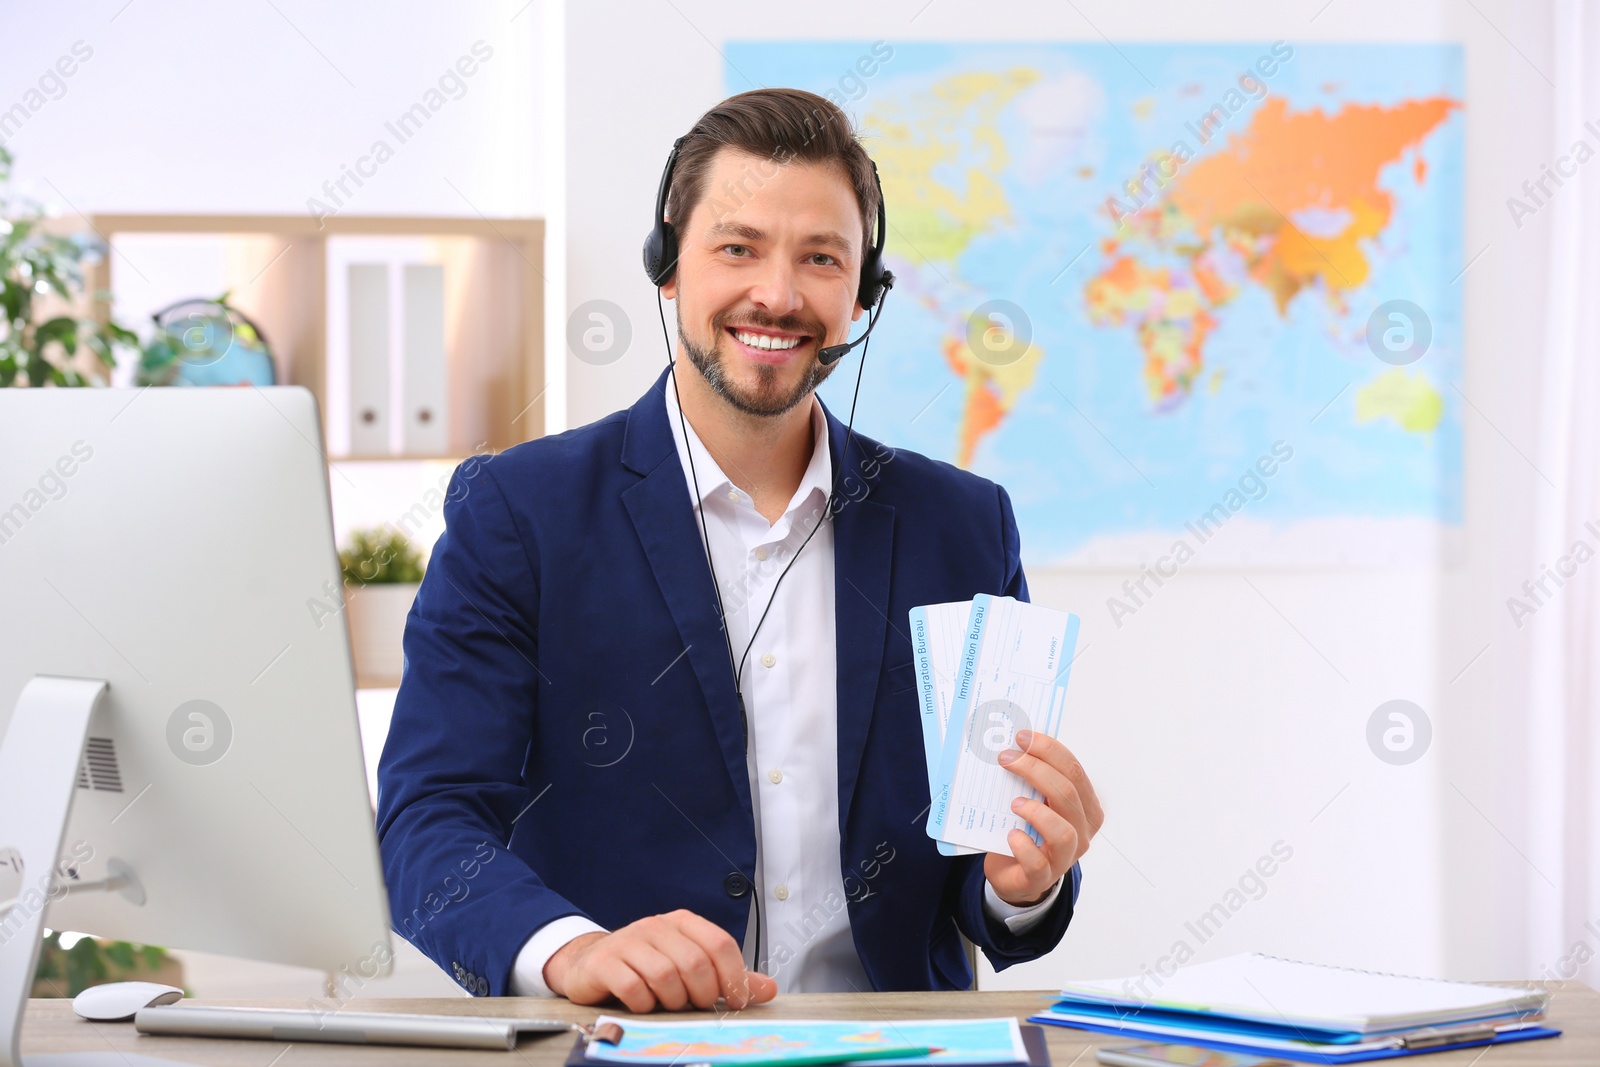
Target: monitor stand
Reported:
[(39, 758)]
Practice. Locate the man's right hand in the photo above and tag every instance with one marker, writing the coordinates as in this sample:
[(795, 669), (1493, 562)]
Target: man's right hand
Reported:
[(669, 961)]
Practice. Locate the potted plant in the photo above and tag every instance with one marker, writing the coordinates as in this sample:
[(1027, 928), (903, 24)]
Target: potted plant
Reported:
[(43, 341), (382, 570)]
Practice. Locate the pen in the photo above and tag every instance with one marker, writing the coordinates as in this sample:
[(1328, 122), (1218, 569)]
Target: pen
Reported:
[(827, 1059), (1430, 1038)]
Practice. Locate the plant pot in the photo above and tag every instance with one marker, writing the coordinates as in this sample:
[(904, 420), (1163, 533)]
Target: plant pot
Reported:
[(377, 615)]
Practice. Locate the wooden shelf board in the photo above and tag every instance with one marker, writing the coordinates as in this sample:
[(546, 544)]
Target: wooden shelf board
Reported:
[(331, 226)]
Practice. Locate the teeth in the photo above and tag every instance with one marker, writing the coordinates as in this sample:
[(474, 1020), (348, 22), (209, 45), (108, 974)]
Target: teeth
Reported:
[(761, 340)]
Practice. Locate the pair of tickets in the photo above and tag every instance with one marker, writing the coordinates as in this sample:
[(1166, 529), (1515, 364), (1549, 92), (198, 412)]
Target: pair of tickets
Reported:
[(986, 669)]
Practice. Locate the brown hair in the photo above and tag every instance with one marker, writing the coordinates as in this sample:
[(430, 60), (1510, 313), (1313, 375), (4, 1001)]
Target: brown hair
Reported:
[(782, 125)]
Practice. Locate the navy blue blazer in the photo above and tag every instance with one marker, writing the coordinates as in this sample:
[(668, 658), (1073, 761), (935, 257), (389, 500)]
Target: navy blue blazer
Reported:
[(567, 739)]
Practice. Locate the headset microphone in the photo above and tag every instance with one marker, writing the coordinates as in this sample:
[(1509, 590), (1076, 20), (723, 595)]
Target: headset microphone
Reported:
[(834, 353)]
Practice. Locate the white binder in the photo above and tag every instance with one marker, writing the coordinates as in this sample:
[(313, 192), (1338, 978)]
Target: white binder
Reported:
[(368, 303), (424, 428)]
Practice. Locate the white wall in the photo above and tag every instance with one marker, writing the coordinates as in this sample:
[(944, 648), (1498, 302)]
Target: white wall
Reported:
[(186, 106), (1212, 726)]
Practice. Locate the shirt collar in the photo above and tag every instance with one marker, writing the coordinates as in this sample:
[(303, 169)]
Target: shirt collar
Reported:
[(818, 477)]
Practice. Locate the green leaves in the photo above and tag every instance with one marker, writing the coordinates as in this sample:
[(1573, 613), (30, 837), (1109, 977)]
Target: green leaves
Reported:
[(62, 329), (70, 971), (379, 556), (35, 264)]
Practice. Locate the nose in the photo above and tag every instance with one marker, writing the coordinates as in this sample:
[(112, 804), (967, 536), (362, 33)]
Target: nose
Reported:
[(774, 290)]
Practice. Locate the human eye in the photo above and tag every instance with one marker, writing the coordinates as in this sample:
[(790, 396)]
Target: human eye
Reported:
[(823, 255), (741, 249)]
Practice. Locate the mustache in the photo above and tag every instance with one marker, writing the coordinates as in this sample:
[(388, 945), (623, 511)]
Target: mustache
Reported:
[(786, 325)]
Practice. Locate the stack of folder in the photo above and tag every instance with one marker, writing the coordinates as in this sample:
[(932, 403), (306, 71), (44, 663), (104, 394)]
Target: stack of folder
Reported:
[(1263, 1005)]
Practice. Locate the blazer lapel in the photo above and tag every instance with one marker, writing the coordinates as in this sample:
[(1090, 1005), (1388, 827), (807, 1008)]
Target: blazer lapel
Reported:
[(663, 517), (863, 540)]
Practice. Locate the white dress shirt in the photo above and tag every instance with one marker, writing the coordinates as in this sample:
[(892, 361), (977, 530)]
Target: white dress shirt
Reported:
[(789, 684)]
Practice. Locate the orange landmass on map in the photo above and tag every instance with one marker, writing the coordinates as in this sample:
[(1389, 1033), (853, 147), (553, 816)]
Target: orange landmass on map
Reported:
[(981, 413), (690, 1050), (1290, 162), (1292, 198)]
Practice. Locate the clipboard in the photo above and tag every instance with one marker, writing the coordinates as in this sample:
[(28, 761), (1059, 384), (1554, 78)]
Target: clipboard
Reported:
[(1032, 1040)]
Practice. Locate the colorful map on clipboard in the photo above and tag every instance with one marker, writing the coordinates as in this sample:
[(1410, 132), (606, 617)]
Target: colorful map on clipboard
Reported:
[(976, 1041)]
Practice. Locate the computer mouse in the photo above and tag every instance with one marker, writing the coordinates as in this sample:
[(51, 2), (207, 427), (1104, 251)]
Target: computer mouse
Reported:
[(117, 1002)]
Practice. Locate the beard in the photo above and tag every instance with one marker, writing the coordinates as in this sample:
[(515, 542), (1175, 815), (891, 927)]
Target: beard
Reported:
[(768, 398)]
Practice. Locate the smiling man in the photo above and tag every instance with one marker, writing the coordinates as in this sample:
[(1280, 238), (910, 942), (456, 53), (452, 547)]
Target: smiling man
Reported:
[(657, 739)]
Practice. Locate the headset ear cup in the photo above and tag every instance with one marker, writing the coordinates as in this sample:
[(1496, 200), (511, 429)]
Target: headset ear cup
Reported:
[(871, 287), (661, 253), (652, 254), (874, 278), (661, 245)]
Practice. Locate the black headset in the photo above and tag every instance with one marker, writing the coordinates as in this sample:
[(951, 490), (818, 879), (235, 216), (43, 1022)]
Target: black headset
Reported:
[(661, 247)]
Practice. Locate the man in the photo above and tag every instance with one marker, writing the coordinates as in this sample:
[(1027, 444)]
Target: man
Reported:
[(592, 787)]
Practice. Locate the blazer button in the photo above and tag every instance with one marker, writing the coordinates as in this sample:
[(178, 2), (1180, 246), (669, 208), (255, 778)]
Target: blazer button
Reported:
[(483, 986), (736, 885)]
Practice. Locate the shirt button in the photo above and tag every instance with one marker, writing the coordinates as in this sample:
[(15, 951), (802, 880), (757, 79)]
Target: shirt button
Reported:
[(775, 776), (761, 553), (733, 494), (769, 660), (782, 892)]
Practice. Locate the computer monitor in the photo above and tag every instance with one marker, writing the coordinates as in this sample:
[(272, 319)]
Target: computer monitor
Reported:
[(181, 763)]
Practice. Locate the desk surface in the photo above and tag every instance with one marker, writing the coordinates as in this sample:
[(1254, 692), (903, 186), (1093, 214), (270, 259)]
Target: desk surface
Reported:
[(52, 1027)]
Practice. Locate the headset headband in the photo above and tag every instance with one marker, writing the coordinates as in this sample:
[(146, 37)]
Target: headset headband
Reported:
[(661, 244)]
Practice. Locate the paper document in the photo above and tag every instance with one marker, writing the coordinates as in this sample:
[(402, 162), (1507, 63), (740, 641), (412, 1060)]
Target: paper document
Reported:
[(938, 635), (1014, 669)]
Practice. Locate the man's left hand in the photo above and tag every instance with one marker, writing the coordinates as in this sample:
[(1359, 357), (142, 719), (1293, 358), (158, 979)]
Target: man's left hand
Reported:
[(1067, 816)]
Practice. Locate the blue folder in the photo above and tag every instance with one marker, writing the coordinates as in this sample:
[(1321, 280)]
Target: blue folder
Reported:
[(1228, 1026), (1242, 1044)]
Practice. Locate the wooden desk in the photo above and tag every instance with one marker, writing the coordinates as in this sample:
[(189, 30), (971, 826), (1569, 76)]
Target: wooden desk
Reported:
[(51, 1027)]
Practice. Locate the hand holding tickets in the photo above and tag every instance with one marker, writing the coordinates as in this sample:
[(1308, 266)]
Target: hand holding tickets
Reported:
[(992, 680)]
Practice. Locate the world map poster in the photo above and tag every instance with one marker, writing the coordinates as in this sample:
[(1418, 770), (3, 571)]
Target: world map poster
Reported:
[(1187, 303)]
